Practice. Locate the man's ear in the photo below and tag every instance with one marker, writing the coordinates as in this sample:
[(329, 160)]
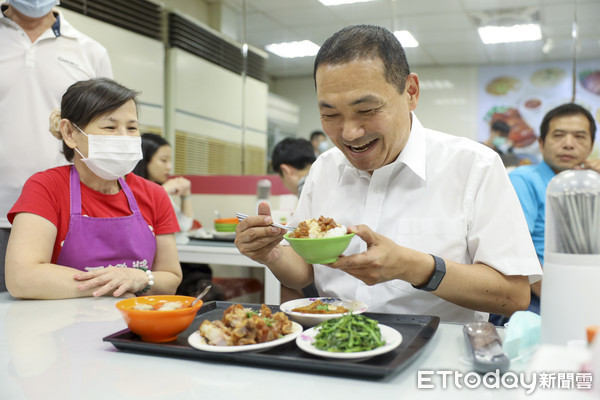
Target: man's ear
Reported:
[(286, 170), (412, 88), (67, 130)]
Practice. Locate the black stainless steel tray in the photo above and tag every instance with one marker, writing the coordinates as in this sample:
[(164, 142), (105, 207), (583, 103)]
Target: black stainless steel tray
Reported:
[(416, 330)]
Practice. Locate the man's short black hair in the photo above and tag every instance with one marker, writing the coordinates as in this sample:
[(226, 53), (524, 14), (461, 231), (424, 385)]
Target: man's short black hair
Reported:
[(366, 42), (296, 152)]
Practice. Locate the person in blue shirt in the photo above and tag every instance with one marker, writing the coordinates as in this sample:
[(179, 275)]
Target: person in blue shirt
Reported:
[(566, 139)]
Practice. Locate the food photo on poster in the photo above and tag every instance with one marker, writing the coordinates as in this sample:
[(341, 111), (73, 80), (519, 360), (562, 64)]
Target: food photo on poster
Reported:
[(520, 96)]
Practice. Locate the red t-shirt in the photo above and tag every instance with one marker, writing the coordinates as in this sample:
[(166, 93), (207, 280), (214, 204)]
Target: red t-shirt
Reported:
[(47, 194)]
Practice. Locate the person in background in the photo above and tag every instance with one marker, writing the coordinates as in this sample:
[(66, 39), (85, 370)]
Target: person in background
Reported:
[(567, 135), (439, 231), (156, 166), (318, 140), (42, 54), (498, 139), (291, 159), (93, 228)]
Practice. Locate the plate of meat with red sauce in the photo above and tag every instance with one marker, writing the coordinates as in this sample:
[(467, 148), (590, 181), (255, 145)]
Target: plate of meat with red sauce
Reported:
[(245, 329), (311, 311)]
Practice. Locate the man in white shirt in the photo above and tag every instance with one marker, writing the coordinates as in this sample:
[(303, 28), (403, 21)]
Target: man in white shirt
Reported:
[(42, 55), (439, 229)]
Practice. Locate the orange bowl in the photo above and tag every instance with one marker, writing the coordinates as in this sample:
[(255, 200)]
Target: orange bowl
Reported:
[(226, 224), (234, 221), (154, 325)]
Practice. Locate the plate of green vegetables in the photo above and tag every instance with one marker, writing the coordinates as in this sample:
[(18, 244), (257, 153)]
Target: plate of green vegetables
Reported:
[(351, 337)]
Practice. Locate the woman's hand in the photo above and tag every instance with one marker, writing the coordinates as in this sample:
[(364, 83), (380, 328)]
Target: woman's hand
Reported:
[(115, 280), (179, 186)]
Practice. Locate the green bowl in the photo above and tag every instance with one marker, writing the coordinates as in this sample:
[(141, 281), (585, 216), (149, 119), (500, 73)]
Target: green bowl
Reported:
[(322, 250), (225, 227)]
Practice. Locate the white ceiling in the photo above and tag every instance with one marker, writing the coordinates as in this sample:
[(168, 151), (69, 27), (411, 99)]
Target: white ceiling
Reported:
[(445, 29)]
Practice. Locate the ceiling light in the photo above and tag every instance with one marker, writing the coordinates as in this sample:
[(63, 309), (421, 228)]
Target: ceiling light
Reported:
[(406, 39), (548, 46), (341, 2), (303, 48), (509, 34)]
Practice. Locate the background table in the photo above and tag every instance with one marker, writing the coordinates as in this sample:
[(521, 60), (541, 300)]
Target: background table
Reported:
[(225, 253)]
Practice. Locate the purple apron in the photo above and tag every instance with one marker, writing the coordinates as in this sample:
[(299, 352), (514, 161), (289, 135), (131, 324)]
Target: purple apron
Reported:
[(102, 242)]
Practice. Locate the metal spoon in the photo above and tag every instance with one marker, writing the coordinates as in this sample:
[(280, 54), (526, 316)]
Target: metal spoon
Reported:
[(241, 216), (201, 295)]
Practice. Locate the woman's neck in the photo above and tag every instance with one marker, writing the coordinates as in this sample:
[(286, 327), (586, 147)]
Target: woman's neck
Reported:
[(33, 27), (94, 182)]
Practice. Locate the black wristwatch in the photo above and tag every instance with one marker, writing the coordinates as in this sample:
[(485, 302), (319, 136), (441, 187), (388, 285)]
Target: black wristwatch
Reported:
[(436, 278)]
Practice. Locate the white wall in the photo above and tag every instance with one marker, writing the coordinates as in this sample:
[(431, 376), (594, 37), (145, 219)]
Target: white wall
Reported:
[(301, 91), (448, 99), (207, 98), (137, 63), (451, 107)]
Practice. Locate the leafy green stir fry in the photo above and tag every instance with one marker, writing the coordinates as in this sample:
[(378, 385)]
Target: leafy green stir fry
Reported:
[(348, 334)]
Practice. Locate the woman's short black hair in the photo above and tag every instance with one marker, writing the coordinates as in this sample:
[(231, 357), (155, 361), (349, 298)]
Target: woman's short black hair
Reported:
[(86, 100), (151, 142)]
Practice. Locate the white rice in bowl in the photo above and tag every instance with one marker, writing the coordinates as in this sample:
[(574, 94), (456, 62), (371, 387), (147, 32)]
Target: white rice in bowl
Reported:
[(319, 228)]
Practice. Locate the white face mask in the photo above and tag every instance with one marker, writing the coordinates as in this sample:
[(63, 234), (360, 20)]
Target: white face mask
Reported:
[(33, 8), (111, 156)]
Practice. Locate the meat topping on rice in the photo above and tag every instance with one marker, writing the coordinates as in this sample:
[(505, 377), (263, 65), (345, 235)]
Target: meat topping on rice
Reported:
[(318, 228)]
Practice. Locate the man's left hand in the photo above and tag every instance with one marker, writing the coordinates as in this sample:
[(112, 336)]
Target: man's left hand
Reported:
[(378, 264)]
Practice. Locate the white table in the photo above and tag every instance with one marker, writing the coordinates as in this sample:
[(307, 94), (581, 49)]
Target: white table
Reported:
[(53, 349), (225, 253)]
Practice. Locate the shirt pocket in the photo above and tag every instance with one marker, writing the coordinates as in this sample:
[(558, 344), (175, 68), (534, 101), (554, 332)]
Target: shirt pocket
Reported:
[(443, 237)]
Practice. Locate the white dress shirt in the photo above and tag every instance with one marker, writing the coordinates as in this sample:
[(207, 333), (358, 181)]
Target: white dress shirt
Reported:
[(34, 78), (444, 195)]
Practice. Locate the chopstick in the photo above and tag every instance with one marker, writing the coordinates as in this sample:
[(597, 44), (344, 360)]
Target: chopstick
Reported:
[(241, 217), (577, 216)]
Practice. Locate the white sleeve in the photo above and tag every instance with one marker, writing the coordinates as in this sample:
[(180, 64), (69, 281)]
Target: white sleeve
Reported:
[(498, 235)]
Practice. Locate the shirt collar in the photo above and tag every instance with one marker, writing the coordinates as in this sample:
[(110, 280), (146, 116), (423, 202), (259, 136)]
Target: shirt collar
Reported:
[(414, 154), (546, 172), (55, 27)]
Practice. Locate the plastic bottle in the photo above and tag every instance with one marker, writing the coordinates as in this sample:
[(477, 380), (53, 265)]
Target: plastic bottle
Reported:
[(263, 192)]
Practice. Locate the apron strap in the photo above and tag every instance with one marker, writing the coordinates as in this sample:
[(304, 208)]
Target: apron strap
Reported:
[(75, 192), (130, 198)]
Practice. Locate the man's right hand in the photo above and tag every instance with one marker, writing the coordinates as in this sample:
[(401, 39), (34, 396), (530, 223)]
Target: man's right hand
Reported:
[(256, 239)]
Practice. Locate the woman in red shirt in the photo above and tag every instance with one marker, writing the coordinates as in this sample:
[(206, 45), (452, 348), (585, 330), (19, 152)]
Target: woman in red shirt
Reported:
[(92, 228)]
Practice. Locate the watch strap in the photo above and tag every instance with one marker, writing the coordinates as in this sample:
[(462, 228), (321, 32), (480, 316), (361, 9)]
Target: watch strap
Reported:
[(436, 278)]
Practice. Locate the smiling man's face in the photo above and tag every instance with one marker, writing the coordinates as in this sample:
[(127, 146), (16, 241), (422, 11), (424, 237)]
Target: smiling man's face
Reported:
[(363, 114), (568, 142)]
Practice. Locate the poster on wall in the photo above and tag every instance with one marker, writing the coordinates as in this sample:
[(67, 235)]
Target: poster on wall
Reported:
[(521, 95)]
